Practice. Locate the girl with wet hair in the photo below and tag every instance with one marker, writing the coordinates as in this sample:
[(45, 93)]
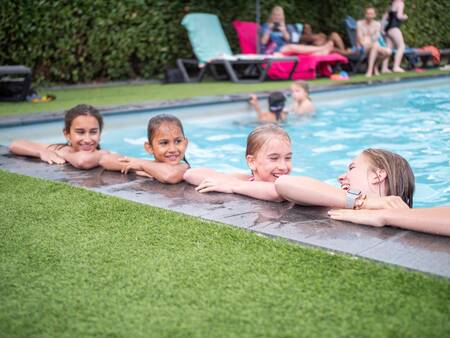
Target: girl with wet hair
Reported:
[(83, 125), (268, 156), (375, 179), (276, 113), (166, 142)]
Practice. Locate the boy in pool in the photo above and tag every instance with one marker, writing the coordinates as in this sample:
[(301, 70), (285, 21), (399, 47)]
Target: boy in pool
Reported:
[(276, 111)]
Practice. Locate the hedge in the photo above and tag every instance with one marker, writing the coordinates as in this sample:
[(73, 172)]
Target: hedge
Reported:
[(94, 40)]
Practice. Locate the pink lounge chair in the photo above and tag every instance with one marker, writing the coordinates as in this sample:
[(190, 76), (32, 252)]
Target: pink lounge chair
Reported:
[(308, 65)]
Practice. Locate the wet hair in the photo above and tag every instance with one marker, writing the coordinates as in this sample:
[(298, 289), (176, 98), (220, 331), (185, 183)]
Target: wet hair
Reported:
[(260, 135), (400, 179), (276, 103), (156, 121), (79, 110), (304, 85)]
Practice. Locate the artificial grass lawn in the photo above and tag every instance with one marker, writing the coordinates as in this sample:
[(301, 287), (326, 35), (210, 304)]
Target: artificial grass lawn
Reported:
[(126, 94), (75, 263)]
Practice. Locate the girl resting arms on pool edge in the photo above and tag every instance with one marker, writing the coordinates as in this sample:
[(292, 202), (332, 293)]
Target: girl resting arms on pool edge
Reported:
[(82, 128), (375, 179), (432, 220), (268, 155), (166, 142)]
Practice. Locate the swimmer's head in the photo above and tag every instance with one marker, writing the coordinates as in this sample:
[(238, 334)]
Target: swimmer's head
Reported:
[(276, 103), (166, 139), (300, 91), (269, 153)]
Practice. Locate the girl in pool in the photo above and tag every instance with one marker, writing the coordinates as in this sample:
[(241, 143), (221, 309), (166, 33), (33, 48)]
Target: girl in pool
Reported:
[(82, 128), (375, 179), (276, 111), (302, 103), (268, 155), (166, 142)]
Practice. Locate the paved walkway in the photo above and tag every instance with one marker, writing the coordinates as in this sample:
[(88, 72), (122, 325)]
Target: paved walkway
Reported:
[(305, 225)]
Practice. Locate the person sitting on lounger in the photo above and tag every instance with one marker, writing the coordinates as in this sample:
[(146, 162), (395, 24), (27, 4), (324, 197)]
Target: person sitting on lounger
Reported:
[(275, 38), (368, 33)]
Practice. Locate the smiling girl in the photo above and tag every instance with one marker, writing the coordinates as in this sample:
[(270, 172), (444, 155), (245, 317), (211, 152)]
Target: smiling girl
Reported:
[(375, 179), (166, 142), (268, 155), (82, 128)]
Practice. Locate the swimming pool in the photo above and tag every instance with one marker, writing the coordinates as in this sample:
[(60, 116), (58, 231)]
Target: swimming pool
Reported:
[(412, 120)]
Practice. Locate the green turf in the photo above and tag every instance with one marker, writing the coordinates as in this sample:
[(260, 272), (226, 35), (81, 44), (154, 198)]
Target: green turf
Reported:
[(126, 94), (75, 263)]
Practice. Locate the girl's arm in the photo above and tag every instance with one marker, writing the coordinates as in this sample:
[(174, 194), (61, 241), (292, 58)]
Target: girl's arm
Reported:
[(254, 102), (308, 191), (33, 149), (208, 180), (266, 34), (431, 220), (81, 159), (163, 172), (400, 14)]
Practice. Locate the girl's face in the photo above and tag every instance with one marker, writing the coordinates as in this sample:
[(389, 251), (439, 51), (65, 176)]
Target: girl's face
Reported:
[(298, 93), (168, 144), (277, 16), (84, 133), (272, 160), (360, 176)]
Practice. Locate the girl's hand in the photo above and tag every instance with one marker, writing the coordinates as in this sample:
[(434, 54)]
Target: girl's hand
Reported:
[(386, 202), (130, 164), (51, 157), (144, 174), (369, 217), (218, 184), (253, 99)]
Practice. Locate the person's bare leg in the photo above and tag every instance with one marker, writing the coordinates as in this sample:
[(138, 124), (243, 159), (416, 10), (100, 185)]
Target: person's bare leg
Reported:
[(397, 37), (385, 67), (371, 62), (305, 49), (337, 41)]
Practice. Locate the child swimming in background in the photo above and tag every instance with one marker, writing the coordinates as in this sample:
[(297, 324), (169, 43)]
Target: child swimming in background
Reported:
[(166, 142), (268, 155), (276, 111), (302, 103), (82, 128)]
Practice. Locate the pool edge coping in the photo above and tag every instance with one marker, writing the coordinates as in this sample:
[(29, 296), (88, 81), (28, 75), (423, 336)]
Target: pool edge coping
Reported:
[(198, 101)]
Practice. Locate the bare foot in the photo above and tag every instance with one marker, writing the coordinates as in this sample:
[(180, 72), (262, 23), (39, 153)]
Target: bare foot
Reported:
[(398, 70), (386, 70), (376, 72), (368, 75)]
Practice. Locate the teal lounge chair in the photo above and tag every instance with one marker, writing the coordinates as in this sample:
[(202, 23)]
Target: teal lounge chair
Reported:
[(213, 52)]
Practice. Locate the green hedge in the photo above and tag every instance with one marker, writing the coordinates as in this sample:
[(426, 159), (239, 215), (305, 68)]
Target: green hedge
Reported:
[(85, 40)]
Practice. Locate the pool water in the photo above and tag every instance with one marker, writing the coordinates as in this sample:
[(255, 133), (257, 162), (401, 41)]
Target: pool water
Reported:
[(412, 122)]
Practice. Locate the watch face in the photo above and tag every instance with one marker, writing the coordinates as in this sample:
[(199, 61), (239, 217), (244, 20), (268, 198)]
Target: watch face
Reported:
[(354, 191)]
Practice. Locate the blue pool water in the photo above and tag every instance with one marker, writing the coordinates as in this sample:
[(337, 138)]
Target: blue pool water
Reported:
[(412, 122)]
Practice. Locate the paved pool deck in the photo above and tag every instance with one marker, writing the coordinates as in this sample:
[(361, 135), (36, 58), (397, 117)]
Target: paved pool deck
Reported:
[(303, 225)]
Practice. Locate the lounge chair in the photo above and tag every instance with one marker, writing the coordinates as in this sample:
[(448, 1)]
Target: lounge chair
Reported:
[(308, 65), (15, 83), (212, 49), (412, 55)]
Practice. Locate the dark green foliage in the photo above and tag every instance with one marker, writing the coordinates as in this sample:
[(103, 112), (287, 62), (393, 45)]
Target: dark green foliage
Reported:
[(85, 40)]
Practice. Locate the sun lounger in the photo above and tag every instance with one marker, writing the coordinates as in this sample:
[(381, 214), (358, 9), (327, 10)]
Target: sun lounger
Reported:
[(308, 65), (15, 83), (212, 49)]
